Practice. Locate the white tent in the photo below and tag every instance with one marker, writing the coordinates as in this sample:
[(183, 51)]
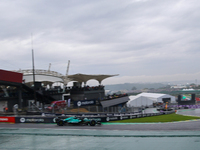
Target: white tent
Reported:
[(147, 99)]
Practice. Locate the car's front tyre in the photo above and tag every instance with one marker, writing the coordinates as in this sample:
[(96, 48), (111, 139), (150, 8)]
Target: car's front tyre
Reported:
[(60, 123), (92, 123)]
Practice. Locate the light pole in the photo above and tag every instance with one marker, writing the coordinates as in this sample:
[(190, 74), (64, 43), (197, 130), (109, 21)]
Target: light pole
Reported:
[(35, 98)]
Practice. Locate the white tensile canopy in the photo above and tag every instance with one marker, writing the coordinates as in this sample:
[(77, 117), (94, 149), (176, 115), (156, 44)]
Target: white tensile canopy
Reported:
[(50, 77), (85, 77), (147, 99)]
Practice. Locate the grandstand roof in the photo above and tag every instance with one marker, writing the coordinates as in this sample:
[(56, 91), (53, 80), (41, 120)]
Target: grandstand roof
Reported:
[(53, 76), (85, 77), (115, 101)]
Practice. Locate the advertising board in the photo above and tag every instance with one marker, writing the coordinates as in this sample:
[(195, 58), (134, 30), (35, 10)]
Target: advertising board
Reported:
[(7, 119), (34, 119), (84, 103)]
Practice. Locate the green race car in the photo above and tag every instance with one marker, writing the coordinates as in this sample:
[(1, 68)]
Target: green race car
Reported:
[(76, 121)]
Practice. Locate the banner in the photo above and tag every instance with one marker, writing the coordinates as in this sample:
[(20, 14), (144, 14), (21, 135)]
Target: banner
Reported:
[(84, 103), (7, 119), (35, 119)]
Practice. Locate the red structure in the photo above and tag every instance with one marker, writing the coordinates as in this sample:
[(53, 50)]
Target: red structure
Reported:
[(12, 79), (7, 119), (9, 76)]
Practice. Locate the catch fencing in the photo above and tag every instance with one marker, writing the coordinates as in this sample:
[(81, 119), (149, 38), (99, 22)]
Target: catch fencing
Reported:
[(93, 109)]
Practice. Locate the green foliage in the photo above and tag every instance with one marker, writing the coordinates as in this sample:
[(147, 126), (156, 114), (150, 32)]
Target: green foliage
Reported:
[(162, 118)]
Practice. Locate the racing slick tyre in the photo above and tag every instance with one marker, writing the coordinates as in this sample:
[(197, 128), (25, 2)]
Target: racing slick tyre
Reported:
[(92, 123), (60, 123)]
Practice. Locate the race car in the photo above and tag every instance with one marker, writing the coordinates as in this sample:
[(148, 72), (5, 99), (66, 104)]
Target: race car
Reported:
[(76, 121)]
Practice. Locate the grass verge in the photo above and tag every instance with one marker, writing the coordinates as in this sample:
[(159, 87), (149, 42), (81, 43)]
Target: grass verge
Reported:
[(162, 118)]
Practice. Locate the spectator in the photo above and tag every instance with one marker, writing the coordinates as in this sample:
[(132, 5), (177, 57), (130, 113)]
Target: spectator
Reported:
[(6, 109)]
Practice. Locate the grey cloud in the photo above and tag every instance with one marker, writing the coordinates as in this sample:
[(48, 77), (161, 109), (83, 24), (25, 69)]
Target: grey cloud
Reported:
[(130, 38)]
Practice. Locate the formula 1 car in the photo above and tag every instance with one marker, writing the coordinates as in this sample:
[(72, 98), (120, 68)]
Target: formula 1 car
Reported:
[(76, 121)]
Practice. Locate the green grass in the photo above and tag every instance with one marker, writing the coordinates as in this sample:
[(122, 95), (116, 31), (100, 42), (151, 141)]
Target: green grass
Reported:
[(162, 118)]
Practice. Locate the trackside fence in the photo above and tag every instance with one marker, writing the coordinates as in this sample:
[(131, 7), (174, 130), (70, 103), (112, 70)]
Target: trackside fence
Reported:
[(102, 117), (94, 109)]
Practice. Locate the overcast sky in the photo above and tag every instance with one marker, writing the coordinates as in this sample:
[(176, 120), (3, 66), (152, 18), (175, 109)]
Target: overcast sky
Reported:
[(141, 40)]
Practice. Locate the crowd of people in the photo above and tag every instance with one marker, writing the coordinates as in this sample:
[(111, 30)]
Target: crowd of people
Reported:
[(5, 108), (113, 96), (88, 88)]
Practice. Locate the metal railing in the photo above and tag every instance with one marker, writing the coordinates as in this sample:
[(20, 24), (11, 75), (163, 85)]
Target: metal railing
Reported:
[(93, 110), (40, 71)]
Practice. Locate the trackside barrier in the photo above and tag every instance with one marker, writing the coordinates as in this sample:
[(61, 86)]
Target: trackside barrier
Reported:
[(51, 119), (104, 114), (35, 119), (7, 119)]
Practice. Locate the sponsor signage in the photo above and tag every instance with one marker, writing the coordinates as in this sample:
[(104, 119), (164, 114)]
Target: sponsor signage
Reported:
[(34, 119), (96, 119), (148, 115), (84, 103), (132, 116), (109, 114), (110, 118), (125, 117), (47, 120), (7, 119)]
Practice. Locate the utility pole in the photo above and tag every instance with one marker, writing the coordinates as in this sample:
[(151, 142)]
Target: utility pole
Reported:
[(65, 78), (35, 98), (67, 71)]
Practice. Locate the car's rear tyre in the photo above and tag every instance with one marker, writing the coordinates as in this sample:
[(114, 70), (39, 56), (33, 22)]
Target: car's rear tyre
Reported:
[(60, 123), (92, 123)]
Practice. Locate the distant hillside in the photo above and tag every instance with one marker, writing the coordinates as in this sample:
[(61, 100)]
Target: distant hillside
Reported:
[(130, 86)]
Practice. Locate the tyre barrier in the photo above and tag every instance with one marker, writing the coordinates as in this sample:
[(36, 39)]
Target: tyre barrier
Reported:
[(51, 119)]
